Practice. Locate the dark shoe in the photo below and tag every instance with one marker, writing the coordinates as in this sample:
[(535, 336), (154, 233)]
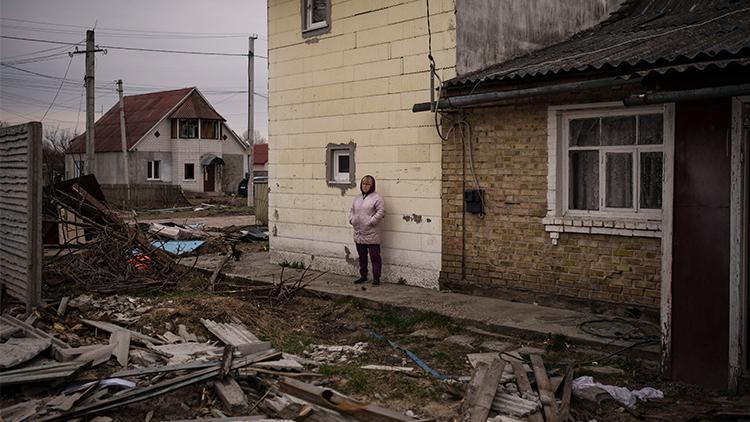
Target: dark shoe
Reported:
[(360, 280), (376, 282)]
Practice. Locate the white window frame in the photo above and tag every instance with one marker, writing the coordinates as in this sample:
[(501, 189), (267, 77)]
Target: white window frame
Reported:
[(184, 173), (153, 166), (624, 222), (634, 150), (308, 24), (339, 176)]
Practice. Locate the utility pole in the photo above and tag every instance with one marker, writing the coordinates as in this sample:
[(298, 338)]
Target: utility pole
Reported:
[(90, 157), (89, 82), (124, 141), (250, 116)]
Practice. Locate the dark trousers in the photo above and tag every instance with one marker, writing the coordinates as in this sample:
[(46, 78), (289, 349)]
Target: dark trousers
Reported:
[(377, 263)]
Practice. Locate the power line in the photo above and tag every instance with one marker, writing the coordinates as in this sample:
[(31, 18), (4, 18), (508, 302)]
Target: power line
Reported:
[(58, 90), (138, 31), (156, 50)]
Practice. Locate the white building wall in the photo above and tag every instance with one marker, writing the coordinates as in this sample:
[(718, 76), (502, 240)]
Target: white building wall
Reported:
[(357, 84)]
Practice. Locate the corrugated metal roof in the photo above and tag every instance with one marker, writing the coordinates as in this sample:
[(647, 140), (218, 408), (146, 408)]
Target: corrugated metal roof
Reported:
[(142, 112), (642, 34)]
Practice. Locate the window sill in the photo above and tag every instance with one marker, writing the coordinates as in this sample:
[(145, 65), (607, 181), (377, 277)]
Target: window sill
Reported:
[(601, 225)]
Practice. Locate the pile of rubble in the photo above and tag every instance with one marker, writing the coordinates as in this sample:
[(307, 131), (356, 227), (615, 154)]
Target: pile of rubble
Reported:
[(88, 376)]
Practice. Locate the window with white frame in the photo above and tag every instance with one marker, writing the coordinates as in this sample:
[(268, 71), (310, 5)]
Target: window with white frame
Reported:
[(316, 16), (154, 170), (613, 162), (340, 164)]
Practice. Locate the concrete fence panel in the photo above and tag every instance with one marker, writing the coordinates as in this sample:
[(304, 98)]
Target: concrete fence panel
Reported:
[(21, 212)]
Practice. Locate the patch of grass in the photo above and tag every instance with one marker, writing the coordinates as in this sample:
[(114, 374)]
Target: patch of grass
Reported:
[(401, 321), (291, 341)]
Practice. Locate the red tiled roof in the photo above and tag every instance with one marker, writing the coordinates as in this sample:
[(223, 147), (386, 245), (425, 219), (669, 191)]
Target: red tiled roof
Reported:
[(260, 153), (142, 112)]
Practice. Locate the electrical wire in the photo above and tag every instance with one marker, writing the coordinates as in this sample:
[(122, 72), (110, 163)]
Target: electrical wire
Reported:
[(155, 50), (58, 90)]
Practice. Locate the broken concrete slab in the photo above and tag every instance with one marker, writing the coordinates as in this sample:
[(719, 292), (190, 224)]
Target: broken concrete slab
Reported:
[(121, 341), (475, 358), (460, 340), (19, 350), (231, 395)]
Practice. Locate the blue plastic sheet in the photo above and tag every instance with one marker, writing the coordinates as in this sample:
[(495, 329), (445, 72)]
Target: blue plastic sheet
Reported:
[(178, 247)]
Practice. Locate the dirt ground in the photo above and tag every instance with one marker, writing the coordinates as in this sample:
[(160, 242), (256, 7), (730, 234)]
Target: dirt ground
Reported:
[(294, 327)]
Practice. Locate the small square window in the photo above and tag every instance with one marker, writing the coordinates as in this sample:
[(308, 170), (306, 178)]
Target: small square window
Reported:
[(189, 171), (154, 170), (340, 164), (316, 17)]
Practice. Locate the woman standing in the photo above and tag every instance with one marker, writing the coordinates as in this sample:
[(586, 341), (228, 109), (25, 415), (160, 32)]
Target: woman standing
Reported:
[(365, 215)]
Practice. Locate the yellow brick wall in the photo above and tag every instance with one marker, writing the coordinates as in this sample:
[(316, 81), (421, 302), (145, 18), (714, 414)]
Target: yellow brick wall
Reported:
[(357, 83)]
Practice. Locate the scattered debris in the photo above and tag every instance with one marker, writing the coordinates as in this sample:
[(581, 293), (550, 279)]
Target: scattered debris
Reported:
[(19, 350), (623, 395), (388, 368), (335, 354)]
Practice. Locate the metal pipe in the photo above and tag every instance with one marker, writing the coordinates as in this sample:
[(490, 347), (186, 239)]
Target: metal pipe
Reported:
[(687, 95), (490, 97)]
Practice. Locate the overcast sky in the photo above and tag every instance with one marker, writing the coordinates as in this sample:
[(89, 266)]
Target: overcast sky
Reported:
[(221, 26)]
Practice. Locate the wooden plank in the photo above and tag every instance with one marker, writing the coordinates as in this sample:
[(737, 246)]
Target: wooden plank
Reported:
[(32, 331), (332, 399), (185, 334), (39, 373), (111, 328), (97, 356), (546, 394), (481, 390), (564, 412), (524, 386)]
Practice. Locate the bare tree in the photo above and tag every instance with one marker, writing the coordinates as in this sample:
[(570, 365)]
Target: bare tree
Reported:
[(257, 137), (56, 142)]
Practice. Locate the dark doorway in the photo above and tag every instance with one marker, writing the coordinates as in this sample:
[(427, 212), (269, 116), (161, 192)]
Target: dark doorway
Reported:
[(209, 178), (700, 244)]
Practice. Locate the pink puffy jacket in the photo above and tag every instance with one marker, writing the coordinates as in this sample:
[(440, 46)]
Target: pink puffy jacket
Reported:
[(365, 215)]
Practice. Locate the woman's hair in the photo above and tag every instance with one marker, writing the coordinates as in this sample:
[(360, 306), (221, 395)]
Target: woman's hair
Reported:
[(372, 179)]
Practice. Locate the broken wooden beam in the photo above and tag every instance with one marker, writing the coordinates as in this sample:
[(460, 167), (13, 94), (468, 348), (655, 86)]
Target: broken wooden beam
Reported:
[(546, 394), (481, 390), (334, 400), (524, 386), (237, 335)]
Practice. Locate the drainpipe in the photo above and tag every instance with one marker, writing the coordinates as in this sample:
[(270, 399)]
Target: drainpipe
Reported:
[(490, 97), (687, 95)]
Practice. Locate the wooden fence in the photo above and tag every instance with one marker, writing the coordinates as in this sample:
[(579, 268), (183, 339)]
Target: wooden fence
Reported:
[(260, 192), (144, 196)]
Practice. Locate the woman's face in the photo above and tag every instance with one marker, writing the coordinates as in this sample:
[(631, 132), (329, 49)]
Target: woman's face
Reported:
[(366, 185)]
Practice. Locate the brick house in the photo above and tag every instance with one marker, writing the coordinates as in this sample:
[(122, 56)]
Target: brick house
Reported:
[(606, 172), (173, 137)]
